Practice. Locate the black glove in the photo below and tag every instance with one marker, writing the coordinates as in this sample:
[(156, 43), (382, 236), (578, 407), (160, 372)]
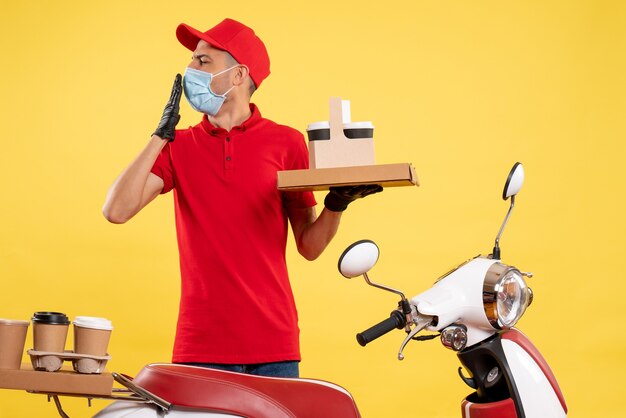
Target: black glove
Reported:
[(167, 125), (339, 198)]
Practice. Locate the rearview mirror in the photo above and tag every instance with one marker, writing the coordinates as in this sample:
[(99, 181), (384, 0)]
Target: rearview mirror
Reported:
[(358, 258), (514, 182), (511, 188)]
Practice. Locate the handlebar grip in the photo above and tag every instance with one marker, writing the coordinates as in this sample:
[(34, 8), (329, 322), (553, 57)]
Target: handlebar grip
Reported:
[(395, 321)]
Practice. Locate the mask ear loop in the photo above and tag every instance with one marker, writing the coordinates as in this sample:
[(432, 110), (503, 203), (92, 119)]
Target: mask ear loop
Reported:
[(227, 91), (222, 72), (228, 69)]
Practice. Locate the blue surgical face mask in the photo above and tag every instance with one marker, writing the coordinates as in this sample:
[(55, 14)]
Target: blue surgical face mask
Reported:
[(197, 87)]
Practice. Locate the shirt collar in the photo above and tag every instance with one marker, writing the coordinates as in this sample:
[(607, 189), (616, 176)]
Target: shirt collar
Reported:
[(254, 119)]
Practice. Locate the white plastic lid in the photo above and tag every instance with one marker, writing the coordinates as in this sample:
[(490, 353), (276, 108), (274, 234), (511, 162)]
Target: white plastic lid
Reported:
[(14, 322), (350, 125), (93, 322), (358, 125), (318, 125)]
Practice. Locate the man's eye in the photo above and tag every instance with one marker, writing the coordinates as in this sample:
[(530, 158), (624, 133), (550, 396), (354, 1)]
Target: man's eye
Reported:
[(204, 62)]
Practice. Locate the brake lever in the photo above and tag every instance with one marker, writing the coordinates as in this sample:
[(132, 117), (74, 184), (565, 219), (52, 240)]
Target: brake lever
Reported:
[(421, 322)]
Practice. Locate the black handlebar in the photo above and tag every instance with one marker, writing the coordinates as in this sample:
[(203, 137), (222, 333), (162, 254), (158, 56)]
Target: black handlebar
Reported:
[(395, 321)]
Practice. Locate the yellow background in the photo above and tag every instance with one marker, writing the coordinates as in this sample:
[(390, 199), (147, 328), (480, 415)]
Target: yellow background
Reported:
[(462, 89)]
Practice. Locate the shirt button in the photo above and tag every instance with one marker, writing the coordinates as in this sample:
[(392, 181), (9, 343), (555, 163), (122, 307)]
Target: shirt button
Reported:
[(227, 139), (227, 158)]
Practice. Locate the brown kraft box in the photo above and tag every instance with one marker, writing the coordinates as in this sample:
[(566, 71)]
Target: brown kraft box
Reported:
[(64, 381), (387, 175)]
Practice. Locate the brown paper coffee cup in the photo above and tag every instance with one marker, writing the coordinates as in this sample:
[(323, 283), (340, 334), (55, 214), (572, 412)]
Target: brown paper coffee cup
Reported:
[(91, 335), (49, 337), (50, 331), (12, 341)]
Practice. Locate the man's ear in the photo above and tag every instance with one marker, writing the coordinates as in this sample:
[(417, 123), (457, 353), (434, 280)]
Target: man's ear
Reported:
[(241, 74)]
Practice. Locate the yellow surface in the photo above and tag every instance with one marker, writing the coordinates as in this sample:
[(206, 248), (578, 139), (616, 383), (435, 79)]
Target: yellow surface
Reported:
[(460, 89)]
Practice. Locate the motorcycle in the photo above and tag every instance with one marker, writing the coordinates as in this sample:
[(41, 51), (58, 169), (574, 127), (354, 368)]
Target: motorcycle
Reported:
[(472, 309)]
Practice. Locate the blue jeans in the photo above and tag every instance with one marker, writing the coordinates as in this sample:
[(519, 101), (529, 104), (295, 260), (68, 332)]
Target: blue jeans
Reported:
[(277, 369)]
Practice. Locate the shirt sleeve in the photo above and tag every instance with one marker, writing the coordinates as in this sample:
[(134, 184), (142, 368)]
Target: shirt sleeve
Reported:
[(299, 161), (163, 168)]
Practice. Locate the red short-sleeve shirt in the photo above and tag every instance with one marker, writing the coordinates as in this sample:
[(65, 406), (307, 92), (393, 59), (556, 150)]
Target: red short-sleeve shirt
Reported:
[(236, 302)]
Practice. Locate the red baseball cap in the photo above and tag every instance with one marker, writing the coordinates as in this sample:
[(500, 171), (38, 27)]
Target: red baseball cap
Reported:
[(235, 38)]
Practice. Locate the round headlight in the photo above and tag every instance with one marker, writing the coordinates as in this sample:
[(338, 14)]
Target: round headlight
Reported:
[(505, 296)]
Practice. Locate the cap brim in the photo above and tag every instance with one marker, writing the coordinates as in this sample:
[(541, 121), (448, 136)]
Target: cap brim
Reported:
[(190, 37)]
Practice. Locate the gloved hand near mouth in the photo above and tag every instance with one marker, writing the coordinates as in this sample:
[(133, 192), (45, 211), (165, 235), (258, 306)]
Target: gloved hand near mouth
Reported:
[(167, 125)]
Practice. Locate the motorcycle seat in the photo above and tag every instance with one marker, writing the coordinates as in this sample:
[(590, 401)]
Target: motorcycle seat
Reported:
[(246, 395)]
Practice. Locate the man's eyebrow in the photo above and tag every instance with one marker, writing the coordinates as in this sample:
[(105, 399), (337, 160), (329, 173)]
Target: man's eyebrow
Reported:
[(194, 56)]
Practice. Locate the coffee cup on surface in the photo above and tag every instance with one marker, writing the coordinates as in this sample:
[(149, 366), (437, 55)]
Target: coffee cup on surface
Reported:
[(12, 341), (320, 131), (91, 335), (356, 130), (50, 331)]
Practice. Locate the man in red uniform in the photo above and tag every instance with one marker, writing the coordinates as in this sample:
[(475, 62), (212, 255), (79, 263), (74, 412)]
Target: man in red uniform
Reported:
[(237, 310)]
